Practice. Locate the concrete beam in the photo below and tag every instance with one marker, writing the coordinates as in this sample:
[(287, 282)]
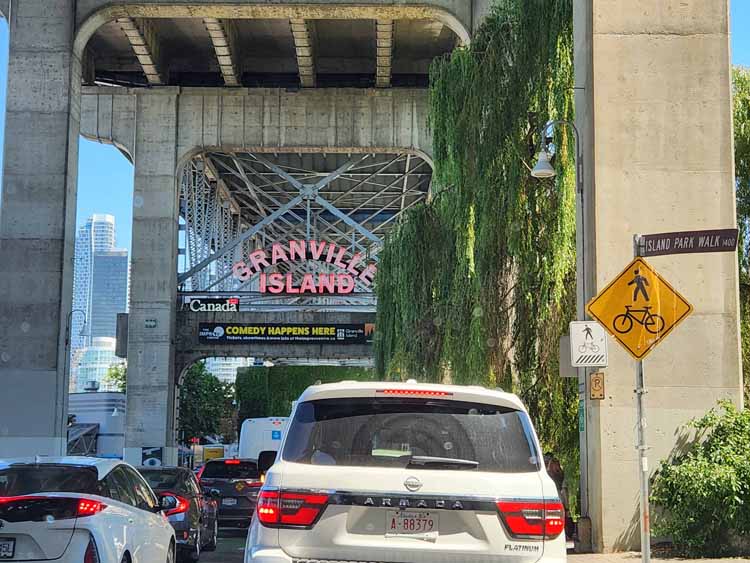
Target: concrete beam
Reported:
[(222, 33), (305, 55), (263, 120), (142, 37), (384, 38)]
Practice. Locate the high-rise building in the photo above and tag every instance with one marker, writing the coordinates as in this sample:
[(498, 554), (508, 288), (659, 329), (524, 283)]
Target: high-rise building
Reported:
[(109, 292), (225, 369), (97, 235), (100, 289)]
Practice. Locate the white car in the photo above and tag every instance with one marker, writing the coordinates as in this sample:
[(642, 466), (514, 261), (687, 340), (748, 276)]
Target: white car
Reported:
[(407, 473), (82, 510)]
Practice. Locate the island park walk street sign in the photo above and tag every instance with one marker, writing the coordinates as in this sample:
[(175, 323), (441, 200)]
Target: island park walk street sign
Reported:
[(639, 308)]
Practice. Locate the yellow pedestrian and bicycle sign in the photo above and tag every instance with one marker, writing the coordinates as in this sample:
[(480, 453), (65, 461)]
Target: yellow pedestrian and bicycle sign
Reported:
[(639, 308)]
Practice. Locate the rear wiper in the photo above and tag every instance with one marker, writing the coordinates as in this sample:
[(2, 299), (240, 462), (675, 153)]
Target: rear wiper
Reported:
[(444, 461)]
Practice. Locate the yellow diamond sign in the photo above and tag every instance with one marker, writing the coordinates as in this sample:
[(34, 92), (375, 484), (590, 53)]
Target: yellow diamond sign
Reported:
[(639, 308)]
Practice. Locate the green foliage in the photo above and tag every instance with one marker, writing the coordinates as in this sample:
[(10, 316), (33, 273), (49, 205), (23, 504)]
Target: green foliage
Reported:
[(704, 493), (742, 171), (265, 392), (117, 375), (204, 402), (477, 286)]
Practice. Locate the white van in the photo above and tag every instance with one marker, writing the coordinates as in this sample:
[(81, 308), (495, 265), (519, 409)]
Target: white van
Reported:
[(261, 434), (414, 473)]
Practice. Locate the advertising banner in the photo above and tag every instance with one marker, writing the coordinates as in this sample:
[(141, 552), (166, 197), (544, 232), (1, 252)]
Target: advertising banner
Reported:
[(244, 333)]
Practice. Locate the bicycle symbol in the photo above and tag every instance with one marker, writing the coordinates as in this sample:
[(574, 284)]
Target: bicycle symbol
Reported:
[(588, 347), (652, 322)]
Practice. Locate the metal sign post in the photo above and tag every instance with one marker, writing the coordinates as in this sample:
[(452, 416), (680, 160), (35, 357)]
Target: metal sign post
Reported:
[(640, 391)]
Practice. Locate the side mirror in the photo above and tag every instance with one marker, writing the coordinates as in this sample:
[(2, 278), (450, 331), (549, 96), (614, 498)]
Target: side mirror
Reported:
[(168, 502), (265, 460)]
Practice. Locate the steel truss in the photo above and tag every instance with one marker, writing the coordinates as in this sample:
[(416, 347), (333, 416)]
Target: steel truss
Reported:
[(232, 203)]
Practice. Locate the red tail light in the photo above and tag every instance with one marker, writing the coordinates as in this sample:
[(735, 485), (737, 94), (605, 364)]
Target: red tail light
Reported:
[(534, 519), (89, 507), (231, 461), (183, 505), (280, 509), (39, 508), (254, 484), (91, 555)]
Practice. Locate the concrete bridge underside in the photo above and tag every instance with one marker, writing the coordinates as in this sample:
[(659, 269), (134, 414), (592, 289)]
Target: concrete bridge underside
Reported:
[(179, 83)]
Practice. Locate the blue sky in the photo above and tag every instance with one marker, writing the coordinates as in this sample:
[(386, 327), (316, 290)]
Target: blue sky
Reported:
[(105, 177)]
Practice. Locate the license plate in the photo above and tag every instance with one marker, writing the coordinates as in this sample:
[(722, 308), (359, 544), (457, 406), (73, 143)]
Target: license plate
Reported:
[(229, 501), (7, 548), (406, 523)]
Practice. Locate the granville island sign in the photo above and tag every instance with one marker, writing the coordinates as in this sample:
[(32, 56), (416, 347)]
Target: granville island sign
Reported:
[(296, 251)]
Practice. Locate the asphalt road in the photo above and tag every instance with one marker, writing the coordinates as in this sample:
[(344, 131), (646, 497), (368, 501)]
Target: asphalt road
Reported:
[(230, 550)]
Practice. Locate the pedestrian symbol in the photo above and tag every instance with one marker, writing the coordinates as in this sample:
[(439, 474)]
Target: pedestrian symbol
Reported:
[(640, 283), (639, 308)]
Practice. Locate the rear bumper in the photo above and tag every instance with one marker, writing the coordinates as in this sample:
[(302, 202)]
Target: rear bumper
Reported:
[(266, 555), (235, 516)]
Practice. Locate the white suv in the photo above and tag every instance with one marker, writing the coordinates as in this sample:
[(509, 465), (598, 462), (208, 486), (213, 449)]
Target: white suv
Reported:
[(407, 473)]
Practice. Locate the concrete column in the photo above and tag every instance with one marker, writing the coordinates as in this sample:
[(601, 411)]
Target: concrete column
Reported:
[(37, 226), (659, 113), (153, 285)]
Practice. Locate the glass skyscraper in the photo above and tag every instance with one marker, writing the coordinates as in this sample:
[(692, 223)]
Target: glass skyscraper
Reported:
[(100, 291), (109, 292), (225, 369)]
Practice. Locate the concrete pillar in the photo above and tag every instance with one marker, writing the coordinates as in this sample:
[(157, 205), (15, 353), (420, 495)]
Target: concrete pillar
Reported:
[(658, 110), (153, 285), (37, 226)]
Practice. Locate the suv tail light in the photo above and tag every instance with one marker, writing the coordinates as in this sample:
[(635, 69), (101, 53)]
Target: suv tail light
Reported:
[(283, 509), (532, 519)]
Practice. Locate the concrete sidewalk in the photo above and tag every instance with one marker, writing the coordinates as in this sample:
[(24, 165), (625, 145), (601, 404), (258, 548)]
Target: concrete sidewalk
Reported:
[(635, 557)]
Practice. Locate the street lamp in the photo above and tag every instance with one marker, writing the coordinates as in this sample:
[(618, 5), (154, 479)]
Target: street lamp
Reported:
[(68, 358), (544, 169)]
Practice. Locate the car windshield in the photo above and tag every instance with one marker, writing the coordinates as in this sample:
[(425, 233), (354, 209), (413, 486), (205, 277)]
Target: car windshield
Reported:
[(164, 479), (427, 434), (231, 469), (18, 480)]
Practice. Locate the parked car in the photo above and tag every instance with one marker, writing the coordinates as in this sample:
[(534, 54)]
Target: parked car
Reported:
[(80, 509), (411, 473), (194, 517), (238, 483)]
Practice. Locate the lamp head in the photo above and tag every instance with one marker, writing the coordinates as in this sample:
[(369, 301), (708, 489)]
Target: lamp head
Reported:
[(543, 167)]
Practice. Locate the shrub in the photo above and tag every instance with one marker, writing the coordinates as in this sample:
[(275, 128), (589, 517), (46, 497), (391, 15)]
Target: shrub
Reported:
[(703, 495)]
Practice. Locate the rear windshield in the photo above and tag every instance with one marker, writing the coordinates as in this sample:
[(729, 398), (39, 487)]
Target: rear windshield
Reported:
[(394, 432), (231, 470), (165, 479), (30, 479)]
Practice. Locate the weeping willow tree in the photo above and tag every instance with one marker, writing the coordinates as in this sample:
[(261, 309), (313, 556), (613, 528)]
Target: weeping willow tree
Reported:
[(742, 172), (477, 286)]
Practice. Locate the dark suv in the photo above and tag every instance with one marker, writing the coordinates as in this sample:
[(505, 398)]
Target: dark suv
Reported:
[(238, 483)]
